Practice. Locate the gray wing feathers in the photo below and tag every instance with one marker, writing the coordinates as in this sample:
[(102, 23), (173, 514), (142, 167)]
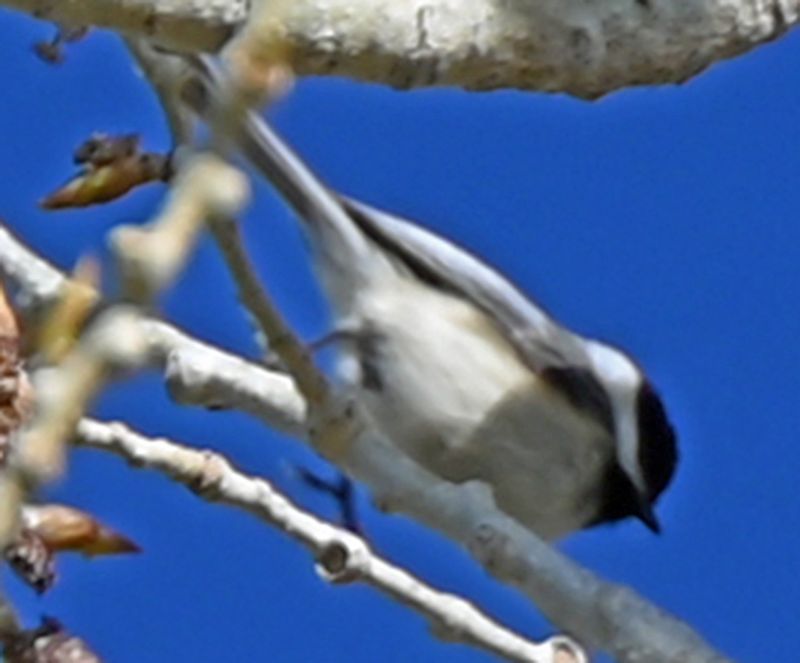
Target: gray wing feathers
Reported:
[(540, 340), (555, 354)]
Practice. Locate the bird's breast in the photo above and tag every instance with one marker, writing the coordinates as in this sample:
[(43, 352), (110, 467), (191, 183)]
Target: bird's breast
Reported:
[(441, 382)]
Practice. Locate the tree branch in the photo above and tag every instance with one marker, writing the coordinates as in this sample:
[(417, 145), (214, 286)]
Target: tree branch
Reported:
[(310, 382), (195, 372), (583, 48), (342, 557), (331, 422), (601, 614)]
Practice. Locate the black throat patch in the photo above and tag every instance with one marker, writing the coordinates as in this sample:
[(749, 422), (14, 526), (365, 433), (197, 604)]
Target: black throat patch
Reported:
[(658, 456), (658, 447)]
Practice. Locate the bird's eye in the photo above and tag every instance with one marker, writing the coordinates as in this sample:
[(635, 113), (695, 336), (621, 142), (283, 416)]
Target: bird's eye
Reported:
[(658, 452)]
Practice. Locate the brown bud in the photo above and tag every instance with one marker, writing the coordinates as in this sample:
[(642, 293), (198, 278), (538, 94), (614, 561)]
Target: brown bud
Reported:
[(64, 528), (111, 167)]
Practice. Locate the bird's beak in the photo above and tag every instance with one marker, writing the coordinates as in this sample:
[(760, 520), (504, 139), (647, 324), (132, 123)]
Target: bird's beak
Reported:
[(648, 516)]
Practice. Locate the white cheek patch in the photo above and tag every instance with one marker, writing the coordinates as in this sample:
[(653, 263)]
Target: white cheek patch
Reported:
[(622, 380), (627, 438)]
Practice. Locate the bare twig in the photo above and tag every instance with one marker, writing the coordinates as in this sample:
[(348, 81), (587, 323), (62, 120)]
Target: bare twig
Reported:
[(342, 557), (309, 380), (162, 71), (332, 423)]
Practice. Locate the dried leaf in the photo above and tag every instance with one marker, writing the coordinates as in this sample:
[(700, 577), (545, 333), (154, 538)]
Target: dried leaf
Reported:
[(49, 529)]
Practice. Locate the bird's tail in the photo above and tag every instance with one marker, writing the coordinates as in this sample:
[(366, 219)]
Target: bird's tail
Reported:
[(340, 245)]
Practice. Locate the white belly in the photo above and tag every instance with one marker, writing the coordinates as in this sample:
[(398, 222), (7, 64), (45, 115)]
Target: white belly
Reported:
[(456, 398)]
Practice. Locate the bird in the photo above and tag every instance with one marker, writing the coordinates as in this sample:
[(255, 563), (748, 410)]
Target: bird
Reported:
[(463, 372)]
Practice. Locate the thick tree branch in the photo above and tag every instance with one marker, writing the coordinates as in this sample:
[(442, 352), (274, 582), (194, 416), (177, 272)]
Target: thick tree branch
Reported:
[(584, 48), (342, 556)]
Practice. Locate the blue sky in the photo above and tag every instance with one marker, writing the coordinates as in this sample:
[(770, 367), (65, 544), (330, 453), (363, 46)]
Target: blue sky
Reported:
[(664, 220)]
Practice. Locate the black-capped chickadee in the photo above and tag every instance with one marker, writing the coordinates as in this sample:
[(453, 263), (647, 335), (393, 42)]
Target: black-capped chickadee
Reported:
[(468, 376)]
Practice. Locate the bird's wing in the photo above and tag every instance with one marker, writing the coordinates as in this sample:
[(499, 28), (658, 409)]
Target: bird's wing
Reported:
[(554, 353), (540, 339)]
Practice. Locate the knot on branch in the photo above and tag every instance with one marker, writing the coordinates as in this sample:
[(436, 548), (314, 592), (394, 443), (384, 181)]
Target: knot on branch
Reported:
[(341, 561), (186, 378), (495, 550), (205, 479), (485, 543), (566, 650)]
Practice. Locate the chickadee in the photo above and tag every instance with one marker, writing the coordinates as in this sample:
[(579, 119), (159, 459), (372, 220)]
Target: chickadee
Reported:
[(466, 374)]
